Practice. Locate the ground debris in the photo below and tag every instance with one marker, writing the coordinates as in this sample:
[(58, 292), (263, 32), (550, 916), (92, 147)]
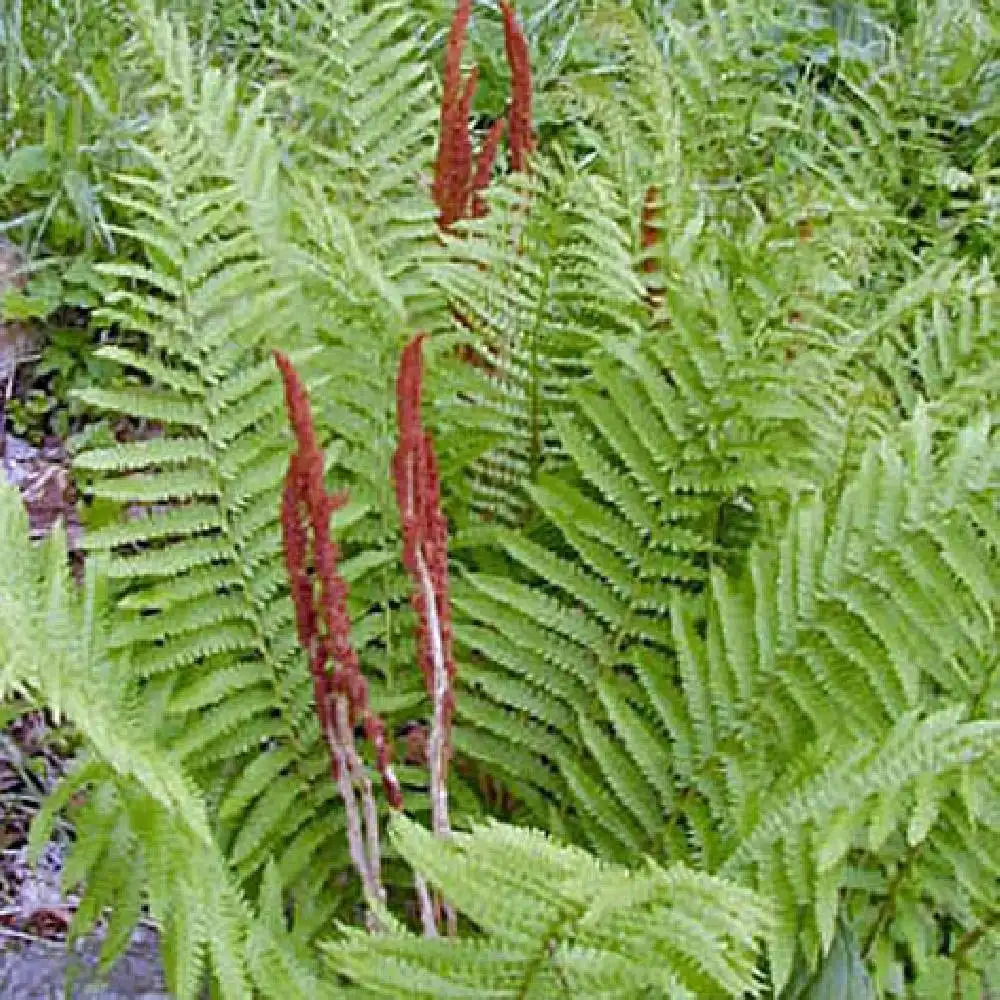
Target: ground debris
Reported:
[(36, 969), (43, 477)]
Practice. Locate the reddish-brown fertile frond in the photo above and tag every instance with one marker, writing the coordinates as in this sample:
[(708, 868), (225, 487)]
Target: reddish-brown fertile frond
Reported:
[(295, 540), (452, 74), (409, 380), (320, 598), (296, 549), (453, 167), (299, 412), (522, 141), (484, 167), (425, 537)]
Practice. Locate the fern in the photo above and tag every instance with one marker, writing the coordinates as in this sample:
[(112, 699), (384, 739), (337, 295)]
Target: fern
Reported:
[(243, 254), (666, 447), (363, 118), (149, 844), (532, 283), (572, 928), (722, 480), (775, 687)]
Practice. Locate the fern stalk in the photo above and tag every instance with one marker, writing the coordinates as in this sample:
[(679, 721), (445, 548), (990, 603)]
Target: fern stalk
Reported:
[(324, 633), (425, 555), (967, 943)]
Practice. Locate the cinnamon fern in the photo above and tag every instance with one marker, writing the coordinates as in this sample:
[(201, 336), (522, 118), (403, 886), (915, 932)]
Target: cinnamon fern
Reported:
[(704, 452)]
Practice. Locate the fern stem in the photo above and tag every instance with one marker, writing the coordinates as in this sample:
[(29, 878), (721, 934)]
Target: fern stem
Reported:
[(425, 555), (438, 742), (966, 944), (324, 631), (978, 702), (888, 907), (427, 918), (534, 389), (548, 951), (369, 811), (355, 836)]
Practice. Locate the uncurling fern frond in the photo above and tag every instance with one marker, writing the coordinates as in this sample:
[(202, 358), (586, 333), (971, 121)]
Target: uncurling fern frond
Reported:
[(573, 927)]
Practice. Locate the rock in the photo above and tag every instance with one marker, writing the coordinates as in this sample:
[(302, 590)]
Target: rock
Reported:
[(38, 971), (13, 273)]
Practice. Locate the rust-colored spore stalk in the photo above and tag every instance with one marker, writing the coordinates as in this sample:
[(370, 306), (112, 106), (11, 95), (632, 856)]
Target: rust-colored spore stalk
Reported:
[(453, 170), (320, 595), (458, 180), (425, 555), (522, 141)]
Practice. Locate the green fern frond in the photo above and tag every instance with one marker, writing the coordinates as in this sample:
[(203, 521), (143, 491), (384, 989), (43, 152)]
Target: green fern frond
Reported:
[(851, 619), (656, 467), (529, 283), (573, 927), (144, 835)]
